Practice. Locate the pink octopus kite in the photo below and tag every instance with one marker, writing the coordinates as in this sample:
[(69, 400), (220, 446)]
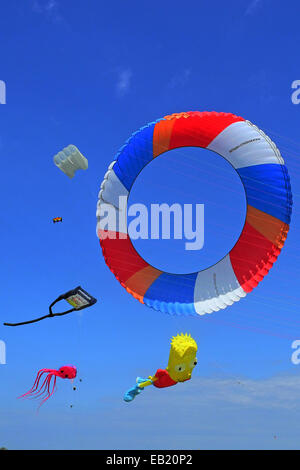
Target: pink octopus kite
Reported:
[(47, 388)]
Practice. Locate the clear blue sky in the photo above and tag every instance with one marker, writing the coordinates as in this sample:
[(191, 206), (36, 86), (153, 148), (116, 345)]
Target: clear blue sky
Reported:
[(90, 74)]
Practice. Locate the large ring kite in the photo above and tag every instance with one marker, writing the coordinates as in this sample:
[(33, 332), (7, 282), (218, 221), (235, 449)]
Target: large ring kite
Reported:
[(269, 205)]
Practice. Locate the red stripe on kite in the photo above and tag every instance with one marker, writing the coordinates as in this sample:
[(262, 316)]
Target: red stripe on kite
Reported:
[(120, 255), (198, 129), (252, 257)]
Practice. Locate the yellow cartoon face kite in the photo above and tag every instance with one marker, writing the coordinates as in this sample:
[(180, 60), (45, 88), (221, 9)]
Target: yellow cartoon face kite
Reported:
[(182, 359)]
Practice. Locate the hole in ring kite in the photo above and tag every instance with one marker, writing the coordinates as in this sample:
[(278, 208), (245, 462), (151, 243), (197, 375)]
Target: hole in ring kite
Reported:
[(186, 210)]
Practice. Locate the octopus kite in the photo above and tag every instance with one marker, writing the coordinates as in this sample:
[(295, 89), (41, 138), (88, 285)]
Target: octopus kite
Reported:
[(48, 386), (182, 360)]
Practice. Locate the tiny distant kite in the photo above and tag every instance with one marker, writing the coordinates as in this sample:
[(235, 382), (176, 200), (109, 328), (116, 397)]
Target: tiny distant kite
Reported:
[(69, 160), (57, 219), (45, 391), (182, 360), (78, 298)]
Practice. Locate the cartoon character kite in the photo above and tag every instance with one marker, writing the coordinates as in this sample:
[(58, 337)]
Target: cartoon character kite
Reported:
[(182, 360)]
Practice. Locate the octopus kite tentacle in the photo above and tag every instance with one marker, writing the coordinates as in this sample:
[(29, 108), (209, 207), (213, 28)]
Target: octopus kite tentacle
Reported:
[(36, 383), (48, 390)]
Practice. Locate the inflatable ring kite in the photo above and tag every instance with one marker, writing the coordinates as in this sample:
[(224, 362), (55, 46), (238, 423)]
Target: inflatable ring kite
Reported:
[(269, 205)]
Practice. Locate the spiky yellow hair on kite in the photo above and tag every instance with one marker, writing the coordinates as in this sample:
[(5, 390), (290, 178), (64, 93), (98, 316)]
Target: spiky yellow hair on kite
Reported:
[(183, 343)]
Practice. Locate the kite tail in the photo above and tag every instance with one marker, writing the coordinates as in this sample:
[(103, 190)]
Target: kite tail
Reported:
[(35, 387), (43, 389), (48, 390)]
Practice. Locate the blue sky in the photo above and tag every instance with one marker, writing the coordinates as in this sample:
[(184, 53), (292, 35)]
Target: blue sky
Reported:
[(90, 74)]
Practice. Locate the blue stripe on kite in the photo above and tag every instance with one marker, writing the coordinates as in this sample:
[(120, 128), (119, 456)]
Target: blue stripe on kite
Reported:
[(268, 189), (172, 293), (134, 155)]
